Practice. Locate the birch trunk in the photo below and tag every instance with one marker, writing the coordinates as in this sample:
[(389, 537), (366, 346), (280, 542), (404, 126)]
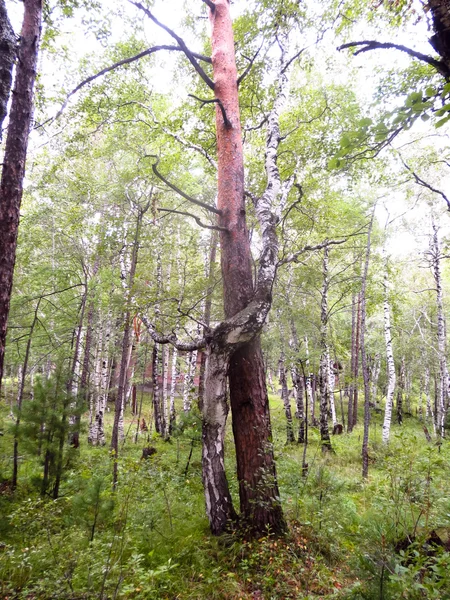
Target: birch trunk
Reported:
[(297, 380), (443, 389), (389, 360), (365, 367), (324, 368), (285, 398)]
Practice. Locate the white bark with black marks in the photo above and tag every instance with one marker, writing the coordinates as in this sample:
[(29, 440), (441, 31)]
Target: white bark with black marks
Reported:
[(389, 359)]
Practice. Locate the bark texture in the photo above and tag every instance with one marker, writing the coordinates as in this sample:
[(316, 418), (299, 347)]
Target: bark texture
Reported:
[(440, 13), (8, 53), (13, 173)]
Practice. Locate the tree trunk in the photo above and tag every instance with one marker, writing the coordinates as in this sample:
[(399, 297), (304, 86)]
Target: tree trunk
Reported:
[(365, 366), (324, 373), (400, 391), (126, 343), (440, 13), (8, 53), (389, 360), (207, 312), (156, 391), (297, 380), (259, 495), (356, 364), (443, 390), (219, 506), (13, 173), (290, 439)]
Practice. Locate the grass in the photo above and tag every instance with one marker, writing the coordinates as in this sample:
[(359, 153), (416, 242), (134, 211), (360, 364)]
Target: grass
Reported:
[(151, 540)]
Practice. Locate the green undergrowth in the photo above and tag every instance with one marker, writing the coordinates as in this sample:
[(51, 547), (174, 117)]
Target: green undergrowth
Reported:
[(348, 538)]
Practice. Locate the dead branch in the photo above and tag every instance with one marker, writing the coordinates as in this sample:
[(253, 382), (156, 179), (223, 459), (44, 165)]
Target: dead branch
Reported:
[(176, 189), (423, 183)]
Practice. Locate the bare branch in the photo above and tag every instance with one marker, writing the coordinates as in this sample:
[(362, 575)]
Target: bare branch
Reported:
[(186, 214), (374, 45), (291, 60), (209, 82), (423, 183), (249, 66), (227, 123), (171, 338), (294, 257), (212, 209), (116, 65), (180, 139)]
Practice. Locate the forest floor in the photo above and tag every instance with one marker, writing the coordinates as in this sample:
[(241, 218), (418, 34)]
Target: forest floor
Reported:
[(386, 537)]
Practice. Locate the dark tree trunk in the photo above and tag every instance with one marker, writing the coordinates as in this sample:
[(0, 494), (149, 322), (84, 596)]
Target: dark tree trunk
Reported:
[(259, 496), (11, 186), (156, 391), (8, 53), (400, 391), (440, 13)]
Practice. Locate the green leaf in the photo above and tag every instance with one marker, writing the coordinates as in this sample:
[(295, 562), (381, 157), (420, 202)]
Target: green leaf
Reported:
[(442, 121), (365, 122), (430, 91)]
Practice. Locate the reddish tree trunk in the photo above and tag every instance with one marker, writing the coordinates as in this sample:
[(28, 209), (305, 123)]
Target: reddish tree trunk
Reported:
[(11, 187), (248, 394)]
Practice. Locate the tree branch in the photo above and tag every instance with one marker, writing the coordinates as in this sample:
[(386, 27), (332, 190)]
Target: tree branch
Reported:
[(116, 65), (249, 66), (294, 257), (186, 214), (171, 338), (209, 82), (424, 184), (227, 123), (212, 209), (374, 45)]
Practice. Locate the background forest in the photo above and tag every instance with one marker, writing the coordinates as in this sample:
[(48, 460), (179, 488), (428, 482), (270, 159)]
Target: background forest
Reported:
[(225, 372)]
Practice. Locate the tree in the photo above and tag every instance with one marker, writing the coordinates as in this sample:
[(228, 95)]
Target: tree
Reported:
[(13, 172)]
